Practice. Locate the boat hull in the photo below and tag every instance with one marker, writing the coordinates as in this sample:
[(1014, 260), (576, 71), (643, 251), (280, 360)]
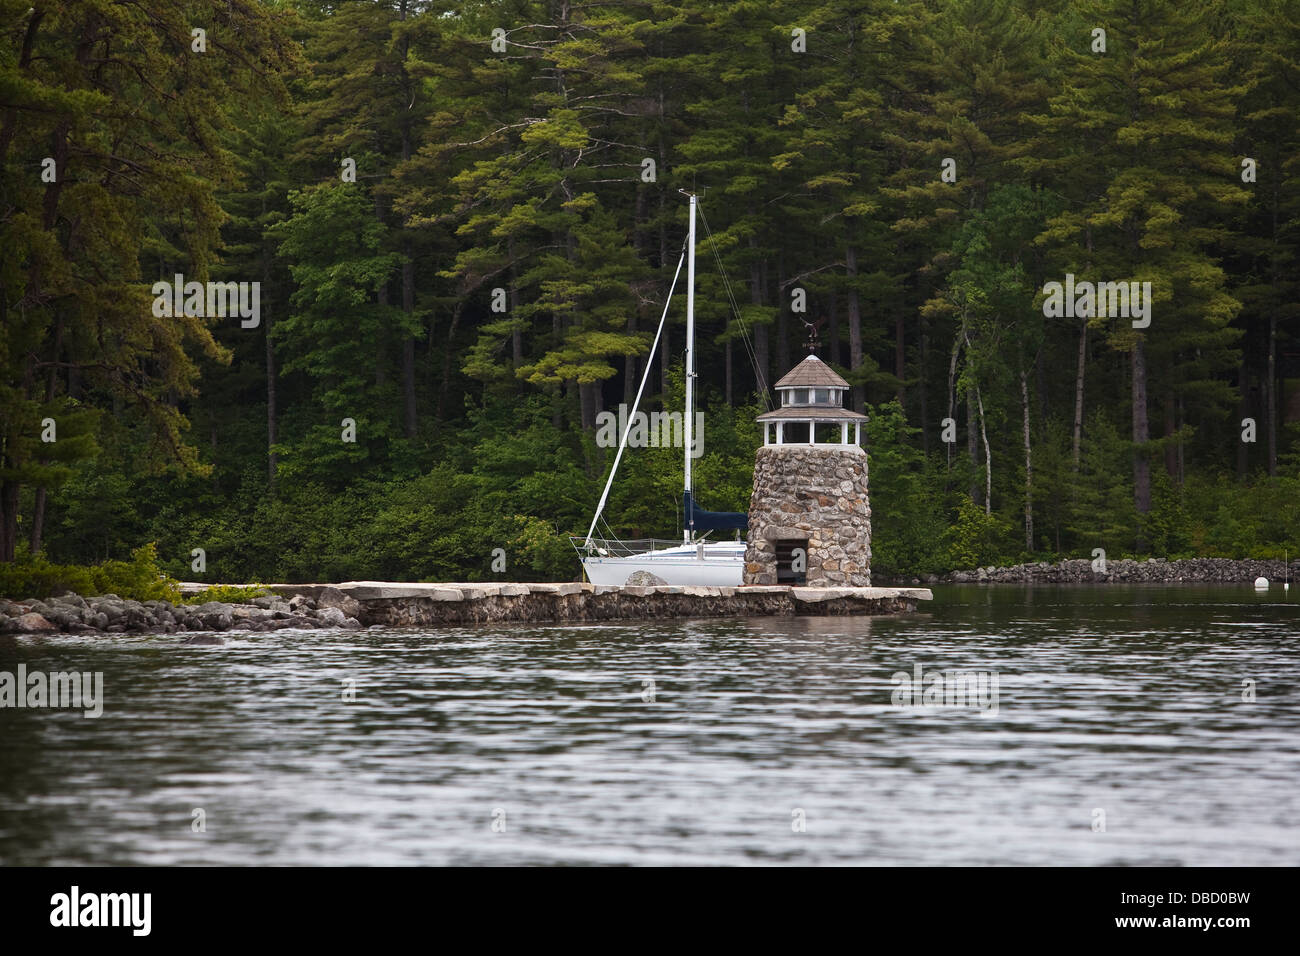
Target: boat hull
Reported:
[(718, 567)]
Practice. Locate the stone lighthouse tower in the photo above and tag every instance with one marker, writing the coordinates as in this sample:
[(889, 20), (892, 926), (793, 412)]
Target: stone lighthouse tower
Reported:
[(809, 516)]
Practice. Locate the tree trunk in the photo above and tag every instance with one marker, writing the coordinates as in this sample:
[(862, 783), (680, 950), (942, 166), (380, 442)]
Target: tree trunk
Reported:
[(1083, 359), (1141, 433), (272, 403), (1243, 410), (782, 340), (972, 445), (1029, 467), (665, 359), (761, 351), (382, 300), (727, 369), (589, 398), (1270, 396), (988, 458), (516, 330), (8, 519), (408, 265), (663, 258), (1040, 385), (38, 521), (1078, 394), (921, 384), (272, 414), (855, 325), (783, 324), (984, 434), (833, 330), (900, 355), (1171, 426), (445, 387), (1182, 417), (952, 395), (38, 509), (408, 345), (631, 374)]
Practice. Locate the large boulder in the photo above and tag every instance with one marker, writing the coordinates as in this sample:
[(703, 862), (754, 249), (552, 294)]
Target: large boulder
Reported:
[(213, 616), (332, 617), (333, 597), (32, 623), (644, 579)]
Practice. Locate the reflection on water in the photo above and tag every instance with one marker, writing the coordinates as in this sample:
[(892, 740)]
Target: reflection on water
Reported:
[(1121, 699)]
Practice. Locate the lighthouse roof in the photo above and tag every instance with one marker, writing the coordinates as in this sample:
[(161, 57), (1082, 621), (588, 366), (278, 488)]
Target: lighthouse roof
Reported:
[(811, 372), (804, 413)]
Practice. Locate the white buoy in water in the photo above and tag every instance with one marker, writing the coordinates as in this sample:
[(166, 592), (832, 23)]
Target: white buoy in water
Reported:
[(1261, 584)]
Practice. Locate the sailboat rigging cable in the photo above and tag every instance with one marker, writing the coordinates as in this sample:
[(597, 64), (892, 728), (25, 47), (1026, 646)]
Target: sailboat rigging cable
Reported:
[(635, 404), (735, 309)]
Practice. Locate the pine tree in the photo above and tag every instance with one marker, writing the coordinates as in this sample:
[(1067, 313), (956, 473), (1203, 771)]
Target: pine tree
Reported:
[(1142, 150)]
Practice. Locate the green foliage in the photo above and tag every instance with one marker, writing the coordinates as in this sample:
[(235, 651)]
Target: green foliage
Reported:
[(138, 579), (491, 278), (977, 539), (227, 594), (907, 517)]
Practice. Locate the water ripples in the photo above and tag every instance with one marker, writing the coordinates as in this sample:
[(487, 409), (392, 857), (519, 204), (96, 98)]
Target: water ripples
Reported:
[(1124, 700)]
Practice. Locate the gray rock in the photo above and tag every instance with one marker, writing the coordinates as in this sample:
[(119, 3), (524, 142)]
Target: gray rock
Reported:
[(63, 617), (212, 607), (332, 616), (644, 579), (113, 610), (32, 622), (333, 597), (203, 640)]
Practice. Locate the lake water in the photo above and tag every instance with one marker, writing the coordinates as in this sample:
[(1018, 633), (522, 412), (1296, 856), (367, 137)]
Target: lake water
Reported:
[(772, 741)]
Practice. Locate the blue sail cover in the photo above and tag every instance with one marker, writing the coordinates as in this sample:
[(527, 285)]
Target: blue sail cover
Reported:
[(697, 519)]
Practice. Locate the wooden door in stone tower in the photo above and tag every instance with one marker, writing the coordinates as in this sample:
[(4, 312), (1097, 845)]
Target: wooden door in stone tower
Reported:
[(792, 561)]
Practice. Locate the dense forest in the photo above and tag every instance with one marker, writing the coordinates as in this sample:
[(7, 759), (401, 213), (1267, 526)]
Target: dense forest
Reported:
[(463, 220)]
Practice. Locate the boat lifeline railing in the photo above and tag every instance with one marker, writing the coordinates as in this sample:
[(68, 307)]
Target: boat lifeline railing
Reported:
[(615, 548)]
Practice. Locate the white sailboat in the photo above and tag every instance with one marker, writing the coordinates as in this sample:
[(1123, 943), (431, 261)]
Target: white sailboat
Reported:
[(694, 561)]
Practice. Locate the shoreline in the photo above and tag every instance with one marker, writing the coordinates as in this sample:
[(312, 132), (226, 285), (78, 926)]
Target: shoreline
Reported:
[(360, 604), (357, 604), (1119, 571), (108, 614)]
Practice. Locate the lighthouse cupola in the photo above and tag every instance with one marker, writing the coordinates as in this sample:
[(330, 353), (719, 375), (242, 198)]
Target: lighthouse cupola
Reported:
[(812, 408)]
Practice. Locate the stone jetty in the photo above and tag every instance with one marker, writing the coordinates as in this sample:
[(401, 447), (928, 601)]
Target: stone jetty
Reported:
[(484, 603), (357, 604)]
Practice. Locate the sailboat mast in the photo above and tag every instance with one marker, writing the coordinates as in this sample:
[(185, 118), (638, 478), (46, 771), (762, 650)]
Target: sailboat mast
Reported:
[(690, 364)]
